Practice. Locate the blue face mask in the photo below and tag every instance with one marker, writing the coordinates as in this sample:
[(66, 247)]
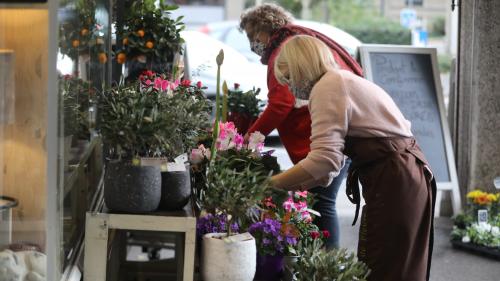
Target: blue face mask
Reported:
[(257, 47)]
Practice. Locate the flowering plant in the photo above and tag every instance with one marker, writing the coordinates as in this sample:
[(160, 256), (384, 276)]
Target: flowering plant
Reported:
[(466, 227), (153, 117), (270, 238), (295, 216), (210, 223)]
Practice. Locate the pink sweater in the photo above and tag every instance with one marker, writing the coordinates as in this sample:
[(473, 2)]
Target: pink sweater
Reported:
[(343, 104)]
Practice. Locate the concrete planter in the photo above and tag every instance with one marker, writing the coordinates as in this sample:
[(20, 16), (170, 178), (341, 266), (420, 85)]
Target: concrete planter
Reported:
[(228, 261), (175, 190), (132, 189)]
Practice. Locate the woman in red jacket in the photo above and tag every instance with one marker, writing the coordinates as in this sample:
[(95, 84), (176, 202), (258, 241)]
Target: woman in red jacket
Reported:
[(267, 27)]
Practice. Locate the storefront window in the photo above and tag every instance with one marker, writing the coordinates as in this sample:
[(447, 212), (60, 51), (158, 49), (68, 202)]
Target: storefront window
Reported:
[(83, 71), (23, 131)]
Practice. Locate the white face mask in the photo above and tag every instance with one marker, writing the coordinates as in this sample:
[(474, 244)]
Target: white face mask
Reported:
[(257, 47)]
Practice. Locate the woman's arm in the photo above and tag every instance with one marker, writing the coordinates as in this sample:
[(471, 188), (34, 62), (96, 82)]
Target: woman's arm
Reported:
[(330, 113)]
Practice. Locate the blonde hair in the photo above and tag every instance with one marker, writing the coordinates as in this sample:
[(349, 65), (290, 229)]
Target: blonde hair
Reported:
[(303, 58)]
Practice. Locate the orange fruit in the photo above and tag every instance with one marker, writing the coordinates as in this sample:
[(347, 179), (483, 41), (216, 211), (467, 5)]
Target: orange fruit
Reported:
[(121, 58), (84, 32), (125, 41), (75, 43), (140, 33), (149, 45), (103, 58)]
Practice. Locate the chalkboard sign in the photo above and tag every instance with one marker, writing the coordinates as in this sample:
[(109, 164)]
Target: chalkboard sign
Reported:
[(411, 77)]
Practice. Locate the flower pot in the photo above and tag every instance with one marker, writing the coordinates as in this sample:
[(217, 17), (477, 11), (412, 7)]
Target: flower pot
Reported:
[(269, 268), (289, 264), (228, 261), (243, 122), (132, 189), (175, 190)]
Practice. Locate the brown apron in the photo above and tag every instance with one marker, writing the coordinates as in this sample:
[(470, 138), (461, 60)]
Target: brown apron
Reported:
[(396, 232)]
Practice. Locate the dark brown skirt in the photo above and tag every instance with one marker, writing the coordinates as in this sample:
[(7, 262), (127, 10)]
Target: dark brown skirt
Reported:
[(396, 233)]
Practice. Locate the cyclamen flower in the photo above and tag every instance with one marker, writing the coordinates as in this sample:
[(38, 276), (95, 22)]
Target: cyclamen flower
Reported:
[(314, 234), (256, 141), (302, 194), (326, 234), (239, 140), (174, 85), (199, 85), (198, 154), (161, 84), (186, 83)]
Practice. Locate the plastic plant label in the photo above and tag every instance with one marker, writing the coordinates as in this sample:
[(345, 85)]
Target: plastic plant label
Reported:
[(482, 217), (175, 167), (181, 159), (153, 161)]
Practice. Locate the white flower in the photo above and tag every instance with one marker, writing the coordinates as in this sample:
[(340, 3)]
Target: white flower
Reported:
[(495, 231), (256, 141), (466, 239)]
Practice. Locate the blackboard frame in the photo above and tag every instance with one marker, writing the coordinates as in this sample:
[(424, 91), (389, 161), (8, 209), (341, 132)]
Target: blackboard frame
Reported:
[(452, 184)]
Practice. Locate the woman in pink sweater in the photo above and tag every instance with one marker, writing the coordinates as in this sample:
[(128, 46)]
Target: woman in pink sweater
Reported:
[(353, 117)]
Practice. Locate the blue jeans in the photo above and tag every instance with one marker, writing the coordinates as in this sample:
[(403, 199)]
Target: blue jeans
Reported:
[(325, 205)]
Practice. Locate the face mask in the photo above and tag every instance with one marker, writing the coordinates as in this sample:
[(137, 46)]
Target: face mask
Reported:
[(257, 47)]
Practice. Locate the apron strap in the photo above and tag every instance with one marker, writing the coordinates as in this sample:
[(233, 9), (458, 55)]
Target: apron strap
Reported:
[(352, 190)]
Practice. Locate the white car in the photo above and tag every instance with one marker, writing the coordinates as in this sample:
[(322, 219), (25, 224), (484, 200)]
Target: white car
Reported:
[(201, 51), (228, 32)]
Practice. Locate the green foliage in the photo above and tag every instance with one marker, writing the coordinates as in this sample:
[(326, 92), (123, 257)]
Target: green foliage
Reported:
[(362, 20), (81, 35), (77, 97), (438, 27), (235, 184), (316, 264), (149, 31), (150, 123), (245, 102), (444, 61)]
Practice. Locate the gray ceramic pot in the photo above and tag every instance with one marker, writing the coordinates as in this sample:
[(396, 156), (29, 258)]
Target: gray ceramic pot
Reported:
[(132, 189), (175, 189)]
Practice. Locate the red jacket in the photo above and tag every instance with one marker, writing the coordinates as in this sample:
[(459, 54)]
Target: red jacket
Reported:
[(293, 124)]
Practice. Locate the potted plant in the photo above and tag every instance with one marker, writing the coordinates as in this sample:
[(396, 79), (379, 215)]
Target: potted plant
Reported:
[(243, 107), (316, 263), (188, 113), (150, 38), (236, 182), (82, 38), (480, 235)]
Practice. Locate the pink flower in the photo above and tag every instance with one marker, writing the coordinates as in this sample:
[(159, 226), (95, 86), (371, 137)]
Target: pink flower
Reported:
[(147, 82), (306, 216), (268, 202), (288, 205), (186, 83), (199, 85), (302, 194), (174, 85), (301, 206), (198, 154), (256, 141), (238, 140)]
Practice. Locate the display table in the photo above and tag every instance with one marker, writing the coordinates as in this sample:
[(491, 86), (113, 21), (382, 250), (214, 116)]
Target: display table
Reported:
[(150, 230)]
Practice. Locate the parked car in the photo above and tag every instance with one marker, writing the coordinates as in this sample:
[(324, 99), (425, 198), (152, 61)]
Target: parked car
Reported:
[(228, 32), (200, 65)]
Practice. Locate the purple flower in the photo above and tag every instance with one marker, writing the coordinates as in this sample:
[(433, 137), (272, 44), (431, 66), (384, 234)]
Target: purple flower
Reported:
[(213, 224)]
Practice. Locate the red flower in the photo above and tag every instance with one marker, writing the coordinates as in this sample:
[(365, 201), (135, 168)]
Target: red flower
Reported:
[(314, 234), (326, 234), (199, 84), (148, 73), (186, 83), (236, 86)]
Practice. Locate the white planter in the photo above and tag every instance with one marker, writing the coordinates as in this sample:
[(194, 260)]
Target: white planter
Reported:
[(228, 261)]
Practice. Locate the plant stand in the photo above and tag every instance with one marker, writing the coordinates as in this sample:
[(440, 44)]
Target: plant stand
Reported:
[(481, 250), (105, 229)]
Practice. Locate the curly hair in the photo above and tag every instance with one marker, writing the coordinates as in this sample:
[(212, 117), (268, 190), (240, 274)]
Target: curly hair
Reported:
[(267, 17)]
